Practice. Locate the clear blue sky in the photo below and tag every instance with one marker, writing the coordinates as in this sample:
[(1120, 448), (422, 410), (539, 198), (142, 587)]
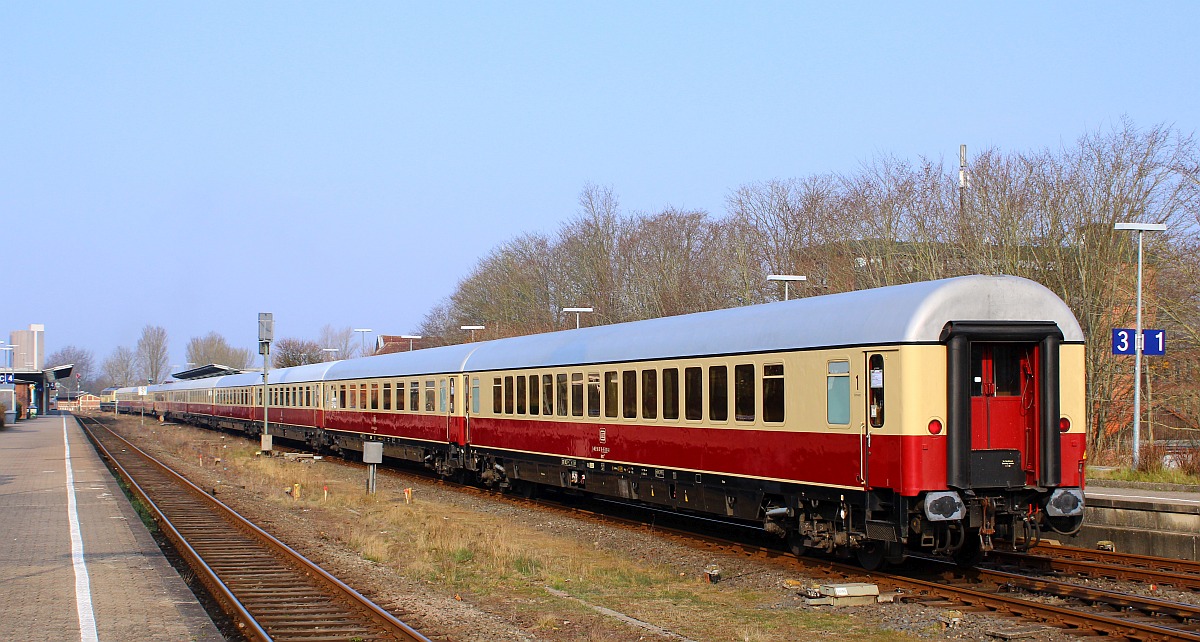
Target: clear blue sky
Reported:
[(192, 164)]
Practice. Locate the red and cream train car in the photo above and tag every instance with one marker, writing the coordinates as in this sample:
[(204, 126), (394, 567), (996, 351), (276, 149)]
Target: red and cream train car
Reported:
[(927, 416)]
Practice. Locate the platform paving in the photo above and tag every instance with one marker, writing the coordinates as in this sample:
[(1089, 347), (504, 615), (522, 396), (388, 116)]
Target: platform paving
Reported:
[(133, 591), (1145, 519)]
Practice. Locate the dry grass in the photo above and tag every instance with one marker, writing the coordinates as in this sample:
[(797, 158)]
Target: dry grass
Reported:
[(505, 565)]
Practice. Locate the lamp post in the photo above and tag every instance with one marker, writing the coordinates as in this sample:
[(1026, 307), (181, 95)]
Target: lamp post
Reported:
[(12, 402), (362, 332), (410, 338), (786, 278), (577, 311), (472, 328), (1138, 342), (330, 350)]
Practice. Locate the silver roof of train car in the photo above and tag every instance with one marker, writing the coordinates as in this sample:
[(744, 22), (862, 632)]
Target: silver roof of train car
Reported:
[(910, 313)]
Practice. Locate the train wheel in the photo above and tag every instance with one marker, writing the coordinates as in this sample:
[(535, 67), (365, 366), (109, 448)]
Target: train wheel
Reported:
[(871, 555), (796, 543)]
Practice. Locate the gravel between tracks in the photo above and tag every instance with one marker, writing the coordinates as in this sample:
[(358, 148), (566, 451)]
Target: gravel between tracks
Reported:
[(442, 615)]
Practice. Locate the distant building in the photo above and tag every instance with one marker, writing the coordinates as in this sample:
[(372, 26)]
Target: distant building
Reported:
[(29, 347)]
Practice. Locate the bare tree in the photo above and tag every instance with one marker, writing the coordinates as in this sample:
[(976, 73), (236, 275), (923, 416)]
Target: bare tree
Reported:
[(212, 348), (120, 368), (152, 353), (340, 338), (84, 371), (295, 352)]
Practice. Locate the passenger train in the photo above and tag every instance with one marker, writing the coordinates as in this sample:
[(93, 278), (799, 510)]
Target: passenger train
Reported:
[(927, 417)]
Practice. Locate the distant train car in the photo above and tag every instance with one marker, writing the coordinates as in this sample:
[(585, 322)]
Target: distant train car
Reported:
[(920, 417)]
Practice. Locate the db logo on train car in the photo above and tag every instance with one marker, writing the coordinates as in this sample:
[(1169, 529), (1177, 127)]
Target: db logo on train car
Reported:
[(603, 436)]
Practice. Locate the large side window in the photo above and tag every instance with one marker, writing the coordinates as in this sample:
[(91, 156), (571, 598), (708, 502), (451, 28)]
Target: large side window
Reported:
[(629, 394), (743, 392), (497, 395), (649, 394), (521, 395), (353, 398), (693, 383), (442, 395), (773, 393), (534, 404), (577, 394), (508, 395), (593, 394), (611, 394), (561, 393), (374, 396), (399, 395), (387, 396), (414, 396), (718, 393), (670, 393), (547, 394), (837, 398), (875, 390), (430, 396)]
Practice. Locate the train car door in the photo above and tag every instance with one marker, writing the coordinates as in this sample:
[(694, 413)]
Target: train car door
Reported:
[(1005, 406), (880, 388)]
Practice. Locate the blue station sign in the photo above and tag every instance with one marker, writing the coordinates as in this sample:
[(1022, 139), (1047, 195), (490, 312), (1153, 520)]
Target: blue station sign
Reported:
[(1154, 342)]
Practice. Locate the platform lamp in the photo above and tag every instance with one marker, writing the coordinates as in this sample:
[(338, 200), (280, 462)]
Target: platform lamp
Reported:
[(577, 312), (472, 328), (332, 352), (410, 338), (786, 278), (1138, 340), (266, 334), (362, 332)]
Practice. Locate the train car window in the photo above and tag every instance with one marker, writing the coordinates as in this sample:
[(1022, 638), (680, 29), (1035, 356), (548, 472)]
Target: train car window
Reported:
[(670, 393), (611, 394), (547, 395), (442, 395), (649, 394), (475, 395), (308, 396), (522, 395), (693, 384), (429, 396), (362, 396), (629, 394), (508, 395), (451, 395), (342, 394), (593, 394), (353, 398), (743, 392), (497, 395), (837, 396), (875, 390), (374, 396), (561, 392), (773, 393), (399, 395), (414, 396), (534, 403), (577, 394), (718, 393), (387, 396)]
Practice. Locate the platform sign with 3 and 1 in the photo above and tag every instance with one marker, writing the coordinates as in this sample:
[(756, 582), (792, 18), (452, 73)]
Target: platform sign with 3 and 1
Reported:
[(1154, 342)]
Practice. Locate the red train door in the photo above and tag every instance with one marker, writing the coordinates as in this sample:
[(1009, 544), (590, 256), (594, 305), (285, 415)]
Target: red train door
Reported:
[(1005, 408)]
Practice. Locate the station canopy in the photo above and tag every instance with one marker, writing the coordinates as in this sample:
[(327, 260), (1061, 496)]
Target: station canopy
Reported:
[(203, 372)]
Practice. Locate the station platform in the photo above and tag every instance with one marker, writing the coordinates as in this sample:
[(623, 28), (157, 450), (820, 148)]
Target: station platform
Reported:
[(76, 562), (1145, 519)]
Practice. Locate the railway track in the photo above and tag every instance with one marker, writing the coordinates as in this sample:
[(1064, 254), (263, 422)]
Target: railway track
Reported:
[(1092, 612), (269, 590), (1180, 574)]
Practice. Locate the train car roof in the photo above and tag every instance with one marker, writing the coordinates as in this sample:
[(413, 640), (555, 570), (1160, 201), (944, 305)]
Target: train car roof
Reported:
[(909, 313)]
